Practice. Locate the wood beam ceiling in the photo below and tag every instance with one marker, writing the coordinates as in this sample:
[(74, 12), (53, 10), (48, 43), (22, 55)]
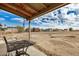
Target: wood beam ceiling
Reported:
[(10, 10), (48, 9), (18, 9), (30, 11)]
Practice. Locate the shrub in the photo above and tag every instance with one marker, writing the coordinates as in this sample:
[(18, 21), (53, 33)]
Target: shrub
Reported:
[(20, 29), (70, 29)]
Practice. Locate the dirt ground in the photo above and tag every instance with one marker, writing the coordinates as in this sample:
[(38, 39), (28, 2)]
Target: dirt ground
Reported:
[(53, 43)]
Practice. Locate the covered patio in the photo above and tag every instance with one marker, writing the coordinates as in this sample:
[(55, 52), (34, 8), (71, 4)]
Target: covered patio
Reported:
[(29, 11)]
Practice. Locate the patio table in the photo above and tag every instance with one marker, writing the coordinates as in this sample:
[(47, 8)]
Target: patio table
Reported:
[(18, 45)]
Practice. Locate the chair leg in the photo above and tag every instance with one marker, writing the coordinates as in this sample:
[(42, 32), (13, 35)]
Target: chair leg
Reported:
[(17, 53), (7, 54), (22, 52), (27, 54), (11, 54), (26, 51)]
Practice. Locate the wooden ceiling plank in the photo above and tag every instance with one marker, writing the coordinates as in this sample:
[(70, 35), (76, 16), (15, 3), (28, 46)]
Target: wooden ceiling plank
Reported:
[(44, 5), (27, 6), (14, 8), (10, 10), (49, 9), (22, 7), (23, 13), (31, 7)]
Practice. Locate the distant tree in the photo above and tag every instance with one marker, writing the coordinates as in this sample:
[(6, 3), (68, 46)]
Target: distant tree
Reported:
[(20, 29), (70, 29), (3, 29)]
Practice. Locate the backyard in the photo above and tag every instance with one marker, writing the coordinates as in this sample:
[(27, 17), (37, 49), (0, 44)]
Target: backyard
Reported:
[(53, 43)]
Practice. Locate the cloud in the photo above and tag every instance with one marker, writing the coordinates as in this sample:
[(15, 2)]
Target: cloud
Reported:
[(60, 18), (18, 19), (2, 19), (63, 20)]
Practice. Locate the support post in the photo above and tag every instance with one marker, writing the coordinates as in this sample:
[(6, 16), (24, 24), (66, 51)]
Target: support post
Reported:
[(24, 23), (29, 30)]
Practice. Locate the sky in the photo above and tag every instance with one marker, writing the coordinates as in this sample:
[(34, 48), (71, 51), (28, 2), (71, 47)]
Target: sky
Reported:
[(9, 19), (64, 17)]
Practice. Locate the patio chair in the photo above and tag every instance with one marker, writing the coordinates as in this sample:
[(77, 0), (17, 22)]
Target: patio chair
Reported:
[(19, 46)]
